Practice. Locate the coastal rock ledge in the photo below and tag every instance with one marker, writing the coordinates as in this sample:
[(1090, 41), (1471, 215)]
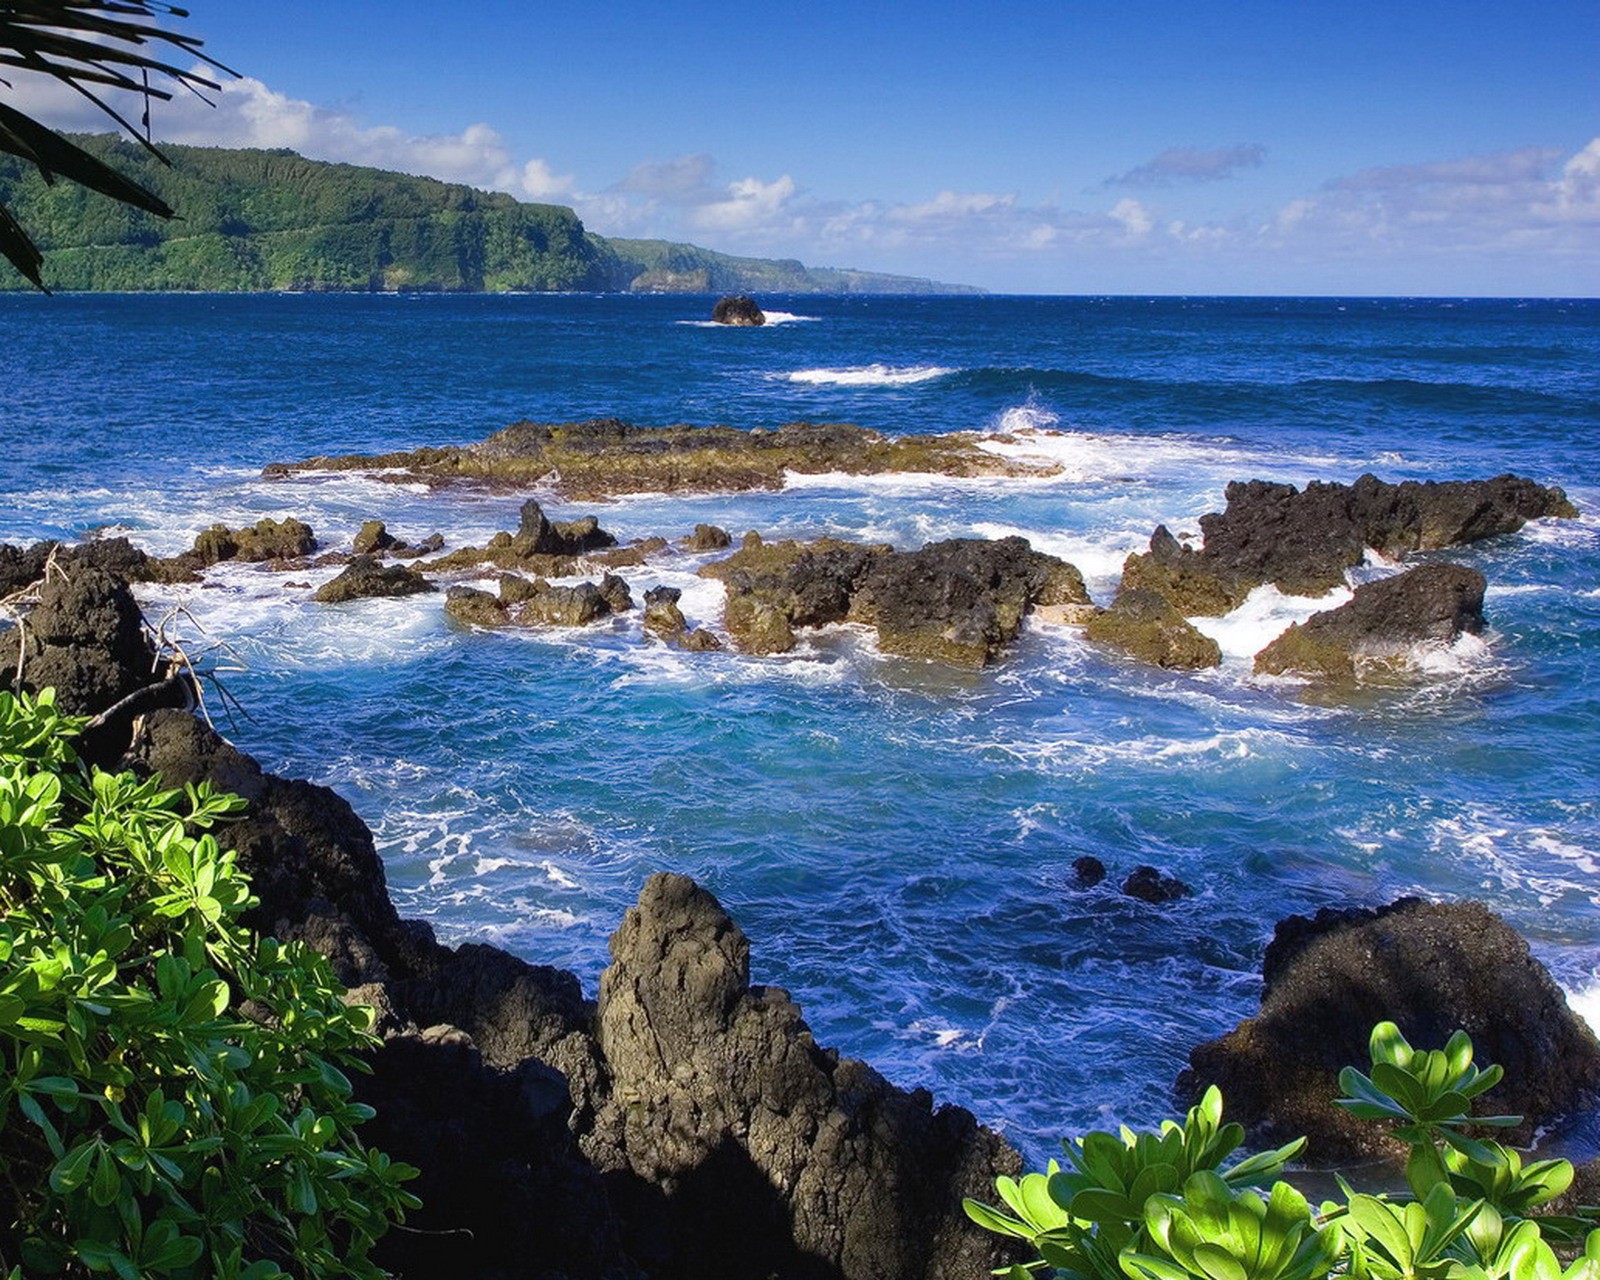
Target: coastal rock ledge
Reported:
[(685, 1124)]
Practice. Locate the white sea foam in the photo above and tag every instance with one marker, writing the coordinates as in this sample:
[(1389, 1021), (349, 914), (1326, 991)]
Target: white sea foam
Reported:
[(1264, 616), (872, 375)]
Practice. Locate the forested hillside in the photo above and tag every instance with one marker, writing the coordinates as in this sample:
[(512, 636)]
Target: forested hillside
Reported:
[(272, 220)]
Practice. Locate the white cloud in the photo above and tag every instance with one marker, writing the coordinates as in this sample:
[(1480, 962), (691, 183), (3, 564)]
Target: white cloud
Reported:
[(248, 113)]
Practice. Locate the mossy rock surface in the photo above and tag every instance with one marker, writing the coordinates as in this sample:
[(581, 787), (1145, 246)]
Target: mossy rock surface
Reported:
[(1145, 625)]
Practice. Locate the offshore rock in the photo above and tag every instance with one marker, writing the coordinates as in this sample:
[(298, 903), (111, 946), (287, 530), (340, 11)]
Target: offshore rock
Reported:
[(737, 309), (475, 608), (1146, 625), (775, 587), (770, 1149), (1433, 604), (365, 577), (373, 537), (536, 535), (1428, 967), (1152, 886), (265, 540), (961, 601), (1304, 541), (604, 457), (707, 537)]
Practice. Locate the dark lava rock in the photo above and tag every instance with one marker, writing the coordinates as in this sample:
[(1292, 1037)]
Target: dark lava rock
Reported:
[(707, 537), (687, 1125), (783, 1155), (1146, 625), (614, 591), (1149, 885), (373, 536), (775, 587), (536, 535), (1382, 623), (1303, 541), (475, 608), (365, 577), (701, 641), (21, 567), (1088, 871), (550, 606), (662, 617), (1428, 967), (961, 601), (265, 540), (85, 638), (737, 309)]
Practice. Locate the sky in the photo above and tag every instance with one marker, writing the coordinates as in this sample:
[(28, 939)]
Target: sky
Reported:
[(1410, 147)]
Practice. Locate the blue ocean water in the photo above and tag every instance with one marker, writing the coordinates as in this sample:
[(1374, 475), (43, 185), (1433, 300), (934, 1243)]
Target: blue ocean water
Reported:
[(896, 838)]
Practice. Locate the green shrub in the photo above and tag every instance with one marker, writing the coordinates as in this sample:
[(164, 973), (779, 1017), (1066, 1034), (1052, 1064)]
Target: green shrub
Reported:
[(1160, 1206), (174, 1099)]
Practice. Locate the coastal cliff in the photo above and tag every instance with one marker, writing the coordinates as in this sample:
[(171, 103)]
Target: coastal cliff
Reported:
[(685, 1123)]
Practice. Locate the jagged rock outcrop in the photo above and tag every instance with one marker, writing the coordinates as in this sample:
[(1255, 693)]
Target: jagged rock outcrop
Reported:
[(539, 545), (540, 1154), (1146, 625), (1428, 967), (1384, 622), (707, 537), (663, 618), (963, 600), (604, 457), (960, 601), (267, 539), (775, 587), (365, 577), (1303, 541), (823, 1169), (738, 309)]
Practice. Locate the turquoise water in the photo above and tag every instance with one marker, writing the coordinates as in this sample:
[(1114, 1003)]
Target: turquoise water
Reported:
[(896, 838)]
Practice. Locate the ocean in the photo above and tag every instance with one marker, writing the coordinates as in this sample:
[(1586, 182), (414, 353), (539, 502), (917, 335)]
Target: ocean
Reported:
[(897, 838)]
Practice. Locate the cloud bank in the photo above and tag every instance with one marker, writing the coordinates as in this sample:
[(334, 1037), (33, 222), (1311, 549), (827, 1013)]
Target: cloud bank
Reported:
[(1535, 208)]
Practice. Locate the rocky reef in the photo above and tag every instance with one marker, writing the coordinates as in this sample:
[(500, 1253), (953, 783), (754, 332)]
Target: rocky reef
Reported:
[(604, 457), (738, 309), (1304, 541), (1428, 967), (683, 1124)]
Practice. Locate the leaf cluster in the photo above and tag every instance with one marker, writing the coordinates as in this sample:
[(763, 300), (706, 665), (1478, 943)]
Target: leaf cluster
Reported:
[(1160, 1206), (174, 1100)]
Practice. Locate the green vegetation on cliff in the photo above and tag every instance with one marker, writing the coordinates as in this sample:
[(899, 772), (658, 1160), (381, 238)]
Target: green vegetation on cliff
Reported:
[(271, 220)]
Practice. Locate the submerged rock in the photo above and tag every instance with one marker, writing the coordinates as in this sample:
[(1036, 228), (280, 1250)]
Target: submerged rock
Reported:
[(1155, 887), (1088, 871), (1146, 625), (1382, 623), (1428, 967), (738, 309), (604, 457), (365, 577)]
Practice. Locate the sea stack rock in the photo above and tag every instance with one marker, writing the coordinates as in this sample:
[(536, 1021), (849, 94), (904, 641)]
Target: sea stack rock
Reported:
[(737, 309), (1430, 968)]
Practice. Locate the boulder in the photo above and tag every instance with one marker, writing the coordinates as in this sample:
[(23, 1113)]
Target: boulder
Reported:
[(662, 617), (773, 1151), (265, 540), (775, 587), (614, 591), (536, 535), (1155, 887), (475, 608), (549, 606), (1428, 967), (365, 577), (373, 537), (961, 601), (1147, 626), (737, 309), (1433, 604), (707, 537), (1088, 871)]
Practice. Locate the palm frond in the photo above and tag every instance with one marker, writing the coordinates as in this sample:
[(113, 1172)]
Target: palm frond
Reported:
[(92, 46)]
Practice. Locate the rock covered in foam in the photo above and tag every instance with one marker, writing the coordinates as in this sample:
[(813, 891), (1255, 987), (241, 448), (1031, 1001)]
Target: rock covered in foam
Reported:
[(1428, 967)]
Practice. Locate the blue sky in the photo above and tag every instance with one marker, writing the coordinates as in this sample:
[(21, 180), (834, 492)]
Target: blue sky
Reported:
[(1067, 147)]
